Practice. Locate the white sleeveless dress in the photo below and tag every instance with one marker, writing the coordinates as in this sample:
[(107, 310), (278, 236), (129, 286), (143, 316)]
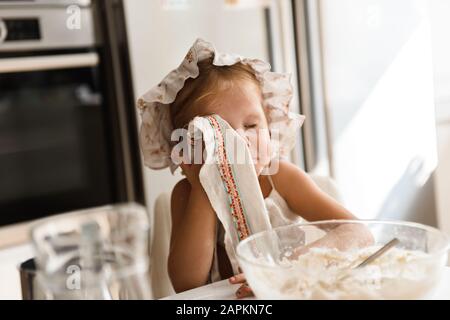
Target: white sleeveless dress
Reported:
[(279, 214)]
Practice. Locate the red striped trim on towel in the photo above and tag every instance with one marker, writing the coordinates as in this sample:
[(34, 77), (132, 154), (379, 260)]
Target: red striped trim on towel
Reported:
[(226, 172)]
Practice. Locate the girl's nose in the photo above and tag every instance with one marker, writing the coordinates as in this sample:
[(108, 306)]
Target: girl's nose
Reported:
[(244, 136), (248, 141)]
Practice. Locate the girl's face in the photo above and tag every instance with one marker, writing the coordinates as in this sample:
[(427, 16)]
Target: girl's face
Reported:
[(241, 106)]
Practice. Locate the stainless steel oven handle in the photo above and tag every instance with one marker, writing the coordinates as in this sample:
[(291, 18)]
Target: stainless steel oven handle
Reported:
[(43, 63), (3, 31)]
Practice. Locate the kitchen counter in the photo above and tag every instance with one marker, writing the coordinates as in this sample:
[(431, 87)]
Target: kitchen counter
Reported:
[(9, 273), (223, 290)]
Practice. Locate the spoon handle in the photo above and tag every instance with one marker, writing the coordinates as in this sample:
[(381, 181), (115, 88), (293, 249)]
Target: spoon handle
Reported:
[(378, 253)]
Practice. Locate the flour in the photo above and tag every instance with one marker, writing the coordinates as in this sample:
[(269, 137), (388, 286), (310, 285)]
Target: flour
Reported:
[(324, 273)]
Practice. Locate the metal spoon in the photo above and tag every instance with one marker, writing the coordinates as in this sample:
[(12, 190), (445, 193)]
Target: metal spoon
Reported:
[(378, 253), (373, 257)]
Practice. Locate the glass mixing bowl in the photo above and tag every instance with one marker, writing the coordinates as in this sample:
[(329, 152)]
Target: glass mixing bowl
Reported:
[(319, 260)]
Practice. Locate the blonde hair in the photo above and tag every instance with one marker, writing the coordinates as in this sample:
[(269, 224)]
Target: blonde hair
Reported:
[(203, 89)]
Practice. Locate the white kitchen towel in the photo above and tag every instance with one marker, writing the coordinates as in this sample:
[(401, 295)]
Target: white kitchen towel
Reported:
[(230, 182)]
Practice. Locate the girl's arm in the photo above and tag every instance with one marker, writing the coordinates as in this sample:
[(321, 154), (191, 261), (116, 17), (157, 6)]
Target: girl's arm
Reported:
[(304, 197), (308, 201), (193, 236)]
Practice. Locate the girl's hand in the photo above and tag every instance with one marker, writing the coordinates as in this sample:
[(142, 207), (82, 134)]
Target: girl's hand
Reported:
[(244, 290), (344, 237), (192, 171)]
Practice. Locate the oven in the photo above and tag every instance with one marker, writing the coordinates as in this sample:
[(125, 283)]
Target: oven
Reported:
[(63, 144)]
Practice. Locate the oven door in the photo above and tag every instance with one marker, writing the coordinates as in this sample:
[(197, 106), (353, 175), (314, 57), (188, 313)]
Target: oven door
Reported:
[(54, 147)]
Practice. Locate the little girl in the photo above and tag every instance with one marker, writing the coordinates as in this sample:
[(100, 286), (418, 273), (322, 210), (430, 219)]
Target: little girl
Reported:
[(246, 95)]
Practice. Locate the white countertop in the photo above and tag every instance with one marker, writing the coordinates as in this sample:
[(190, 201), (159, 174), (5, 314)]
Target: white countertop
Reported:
[(9, 272), (223, 290)]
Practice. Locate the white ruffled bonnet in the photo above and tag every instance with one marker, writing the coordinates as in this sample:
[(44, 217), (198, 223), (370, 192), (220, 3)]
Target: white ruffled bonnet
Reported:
[(156, 127)]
